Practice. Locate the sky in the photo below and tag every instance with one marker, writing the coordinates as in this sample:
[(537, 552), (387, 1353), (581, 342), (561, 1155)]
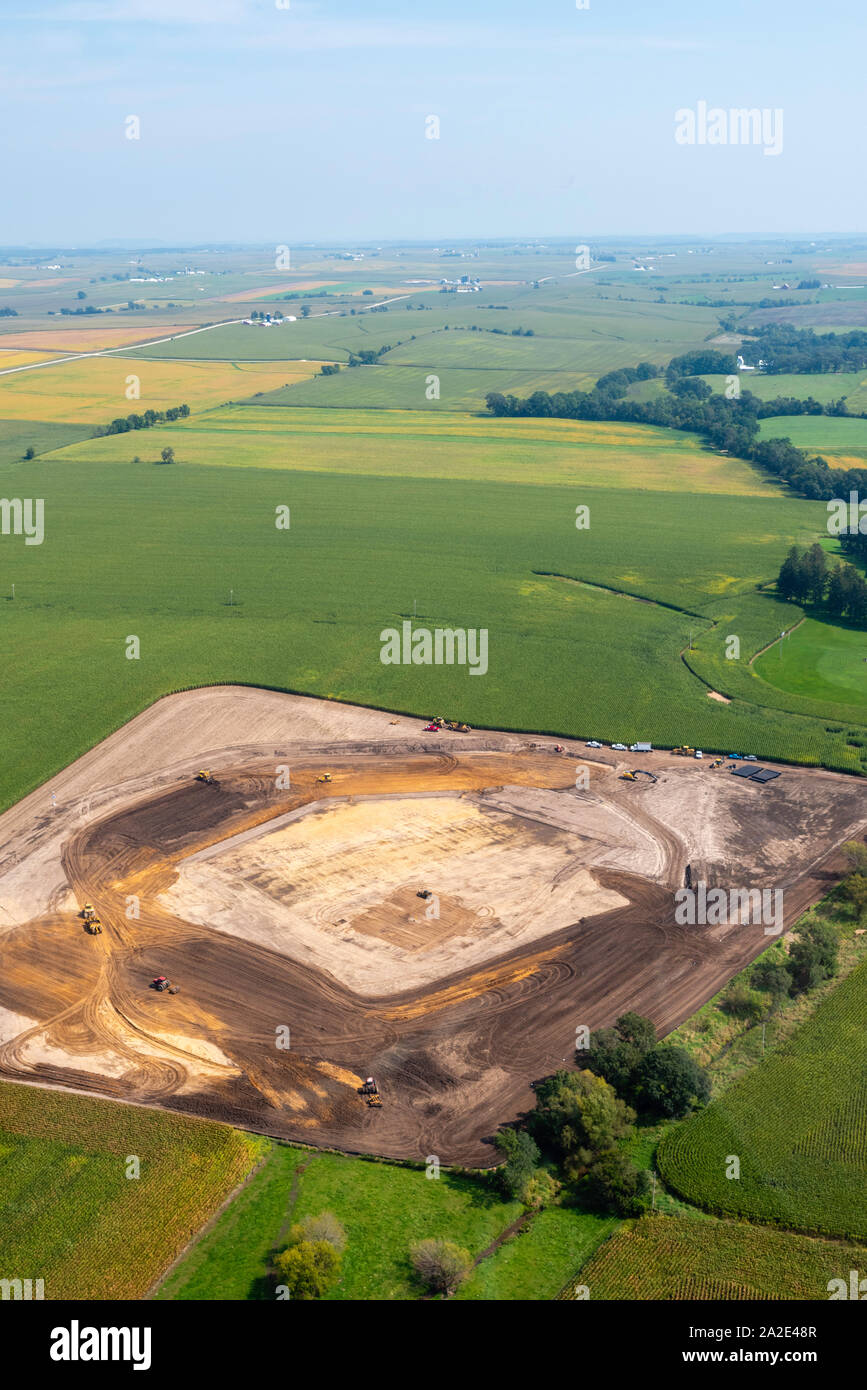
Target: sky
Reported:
[(291, 121)]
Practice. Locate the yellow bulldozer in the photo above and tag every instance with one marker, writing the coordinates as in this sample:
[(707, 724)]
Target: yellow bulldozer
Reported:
[(93, 926), (205, 776), (326, 777)]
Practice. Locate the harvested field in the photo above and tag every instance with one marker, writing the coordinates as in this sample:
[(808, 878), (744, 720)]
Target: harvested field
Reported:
[(278, 907)]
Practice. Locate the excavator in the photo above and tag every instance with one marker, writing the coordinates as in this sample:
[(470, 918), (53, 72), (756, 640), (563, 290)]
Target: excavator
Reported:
[(637, 772)]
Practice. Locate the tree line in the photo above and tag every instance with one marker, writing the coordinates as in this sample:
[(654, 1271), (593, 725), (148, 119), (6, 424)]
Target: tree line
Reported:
[(807, 577), (142, 422), (785, 348), (729, 424)]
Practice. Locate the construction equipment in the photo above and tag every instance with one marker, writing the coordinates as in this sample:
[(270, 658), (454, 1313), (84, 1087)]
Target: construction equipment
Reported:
[(424, 893), (684, 752), (717, 762), (627, 776), (93, 926), (159, 983), (87, 912), (375, 1101), (205, 776), (635, 773), (326, 777), (369, 1088)]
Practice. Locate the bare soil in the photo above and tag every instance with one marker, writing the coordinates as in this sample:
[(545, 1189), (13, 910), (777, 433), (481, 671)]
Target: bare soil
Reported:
[(289, 916)]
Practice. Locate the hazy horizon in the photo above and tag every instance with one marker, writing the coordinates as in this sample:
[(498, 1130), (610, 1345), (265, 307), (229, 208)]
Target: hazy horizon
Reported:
[(312, 123)]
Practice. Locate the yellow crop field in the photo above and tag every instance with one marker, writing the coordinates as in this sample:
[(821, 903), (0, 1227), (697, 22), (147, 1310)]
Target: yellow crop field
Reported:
[(93, 390), (395, 443), (90, 339), (10, 358)]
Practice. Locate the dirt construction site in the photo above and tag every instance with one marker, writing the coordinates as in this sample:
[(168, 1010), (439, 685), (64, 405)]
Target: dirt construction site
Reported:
[(353, 895)]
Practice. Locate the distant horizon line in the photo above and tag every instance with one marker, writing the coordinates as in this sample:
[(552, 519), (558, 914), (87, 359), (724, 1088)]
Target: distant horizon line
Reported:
[(498, 242)]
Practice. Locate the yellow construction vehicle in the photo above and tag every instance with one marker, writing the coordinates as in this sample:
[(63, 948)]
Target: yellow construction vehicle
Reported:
[(627, 777), (87, 912), (93, 926), (717, 762), (684, 752), (326, 777), (205, 776)]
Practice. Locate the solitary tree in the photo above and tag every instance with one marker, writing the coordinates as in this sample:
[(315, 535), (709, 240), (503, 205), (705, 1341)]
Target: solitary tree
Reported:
[(168, 455), (440, 1264), (308, 1269)]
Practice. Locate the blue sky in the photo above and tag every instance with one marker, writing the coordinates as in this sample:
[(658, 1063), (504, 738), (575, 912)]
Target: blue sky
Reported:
[(266, 124)]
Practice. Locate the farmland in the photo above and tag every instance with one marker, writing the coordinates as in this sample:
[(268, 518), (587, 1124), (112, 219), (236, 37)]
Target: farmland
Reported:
[(798, 1123), (94, 390), (676, 1257), (73, 1209), (232, 1260), (406, 502), (398, 539), (842, 442)]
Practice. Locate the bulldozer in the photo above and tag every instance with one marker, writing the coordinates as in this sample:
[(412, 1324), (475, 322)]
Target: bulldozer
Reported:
[(717, 762), (326, 777), (93, 926), (206, 776)]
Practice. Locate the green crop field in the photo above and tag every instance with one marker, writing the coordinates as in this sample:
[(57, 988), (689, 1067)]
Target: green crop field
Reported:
[(166, 545), (71, 1212), (16, 436), (822, 386), (385, 387), (834, 437), (677, 1257), (798, 1124)]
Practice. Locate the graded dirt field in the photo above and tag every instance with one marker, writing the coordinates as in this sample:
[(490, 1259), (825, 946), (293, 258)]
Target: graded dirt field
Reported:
[(286, 909)]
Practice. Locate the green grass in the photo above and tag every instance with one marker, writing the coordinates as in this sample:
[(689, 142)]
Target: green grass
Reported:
[(70, 1215), (798, 1123), (384, 1209), (676, 1257), (821, 661), (537, 1262)]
